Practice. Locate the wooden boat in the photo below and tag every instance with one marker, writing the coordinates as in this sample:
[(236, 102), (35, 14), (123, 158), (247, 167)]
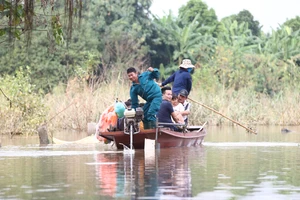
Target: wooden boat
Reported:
[(164, 137), (130, 135)]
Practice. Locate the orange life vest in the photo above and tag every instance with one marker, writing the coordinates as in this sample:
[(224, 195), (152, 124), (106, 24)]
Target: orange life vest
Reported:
[(108, 118)]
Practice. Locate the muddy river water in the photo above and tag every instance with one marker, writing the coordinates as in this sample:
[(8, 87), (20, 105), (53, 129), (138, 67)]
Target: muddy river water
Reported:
[(231, 164)]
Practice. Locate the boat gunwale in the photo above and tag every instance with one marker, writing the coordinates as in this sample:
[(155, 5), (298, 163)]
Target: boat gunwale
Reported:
[(160, 131)]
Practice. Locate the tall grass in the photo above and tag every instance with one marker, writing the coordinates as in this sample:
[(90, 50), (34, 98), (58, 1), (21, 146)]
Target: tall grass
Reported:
[(247, 107), (73, 106), (79, 105)]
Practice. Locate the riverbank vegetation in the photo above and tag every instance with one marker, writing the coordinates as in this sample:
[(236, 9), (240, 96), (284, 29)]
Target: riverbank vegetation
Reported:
[(65, 69)]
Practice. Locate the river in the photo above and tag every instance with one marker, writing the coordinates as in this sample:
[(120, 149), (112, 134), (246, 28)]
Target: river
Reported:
[(231, 164)]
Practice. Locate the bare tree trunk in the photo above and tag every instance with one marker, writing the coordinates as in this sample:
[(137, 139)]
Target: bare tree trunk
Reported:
[(43, 134)]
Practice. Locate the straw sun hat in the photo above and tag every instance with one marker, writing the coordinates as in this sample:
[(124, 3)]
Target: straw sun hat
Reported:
[(186, 63)]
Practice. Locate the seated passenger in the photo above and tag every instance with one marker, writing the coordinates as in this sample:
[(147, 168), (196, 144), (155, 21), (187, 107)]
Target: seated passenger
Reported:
[(178, 108), (182, 98), (166, 110)]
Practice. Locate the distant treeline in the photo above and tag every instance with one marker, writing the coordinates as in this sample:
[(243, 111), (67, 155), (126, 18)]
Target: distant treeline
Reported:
[(46, 45), (93, 39)]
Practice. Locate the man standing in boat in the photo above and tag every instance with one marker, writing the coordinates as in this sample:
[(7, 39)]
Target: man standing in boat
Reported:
[(143, 85), (181, 78)]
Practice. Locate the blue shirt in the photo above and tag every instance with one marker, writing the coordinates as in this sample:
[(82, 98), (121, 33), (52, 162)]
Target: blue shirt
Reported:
[(181, 80), (165, 111)]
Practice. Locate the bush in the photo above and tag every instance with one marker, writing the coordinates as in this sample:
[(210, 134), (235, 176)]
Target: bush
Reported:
[(22, 109)]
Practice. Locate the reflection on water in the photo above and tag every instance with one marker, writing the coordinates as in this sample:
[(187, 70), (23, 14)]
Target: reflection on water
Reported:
[(141, 175), (230, 165)]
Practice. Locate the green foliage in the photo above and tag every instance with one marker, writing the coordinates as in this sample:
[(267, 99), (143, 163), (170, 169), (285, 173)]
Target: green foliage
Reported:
[(235, 35), (206, 19), (294, 23), (282, 44), (246, 17), (188, 36), (205, 80), (258, 73), (119, 17), (113, 35), (255, 62), (23, 109), (124, 31), (182, 42), (188, 41), (163, 42), (50, 64), (20, 18), (57, 30)]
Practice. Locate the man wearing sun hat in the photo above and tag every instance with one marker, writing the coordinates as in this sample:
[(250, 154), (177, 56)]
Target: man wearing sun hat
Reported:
[(181, 78)]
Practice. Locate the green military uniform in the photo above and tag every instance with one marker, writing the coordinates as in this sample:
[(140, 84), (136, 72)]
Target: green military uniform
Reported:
[(151, 93)]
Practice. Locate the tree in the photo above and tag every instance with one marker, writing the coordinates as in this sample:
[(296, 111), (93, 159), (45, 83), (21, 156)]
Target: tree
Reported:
[(111, 17), (124, 33), (294, 23), (163, 42), (176, 43), (20, 18), (247, 17), (235, 34), (282, 44), (50, 64), (25, 109), (207, 22)]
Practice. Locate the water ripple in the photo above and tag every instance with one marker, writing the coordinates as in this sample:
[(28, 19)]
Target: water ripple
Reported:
[(9, 153), (251, 144)]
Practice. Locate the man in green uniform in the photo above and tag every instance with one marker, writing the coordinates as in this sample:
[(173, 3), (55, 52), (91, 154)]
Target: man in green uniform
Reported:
[(143, 85)]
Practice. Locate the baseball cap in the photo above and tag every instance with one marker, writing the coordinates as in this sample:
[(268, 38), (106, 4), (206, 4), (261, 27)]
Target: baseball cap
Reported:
[(184, 93)]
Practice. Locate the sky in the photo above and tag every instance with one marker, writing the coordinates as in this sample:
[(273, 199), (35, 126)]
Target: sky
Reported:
[(269, 13)]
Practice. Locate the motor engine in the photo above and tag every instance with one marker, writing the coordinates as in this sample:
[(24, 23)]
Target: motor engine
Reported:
[(133, 117)]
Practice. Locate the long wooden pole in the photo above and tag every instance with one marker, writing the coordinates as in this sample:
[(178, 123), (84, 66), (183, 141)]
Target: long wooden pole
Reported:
[(248, 129)]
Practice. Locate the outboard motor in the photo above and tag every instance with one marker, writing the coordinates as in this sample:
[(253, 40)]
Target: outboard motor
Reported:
[(132, 120)]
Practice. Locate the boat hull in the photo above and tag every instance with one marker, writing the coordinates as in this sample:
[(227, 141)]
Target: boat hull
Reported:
[(165, 138)]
